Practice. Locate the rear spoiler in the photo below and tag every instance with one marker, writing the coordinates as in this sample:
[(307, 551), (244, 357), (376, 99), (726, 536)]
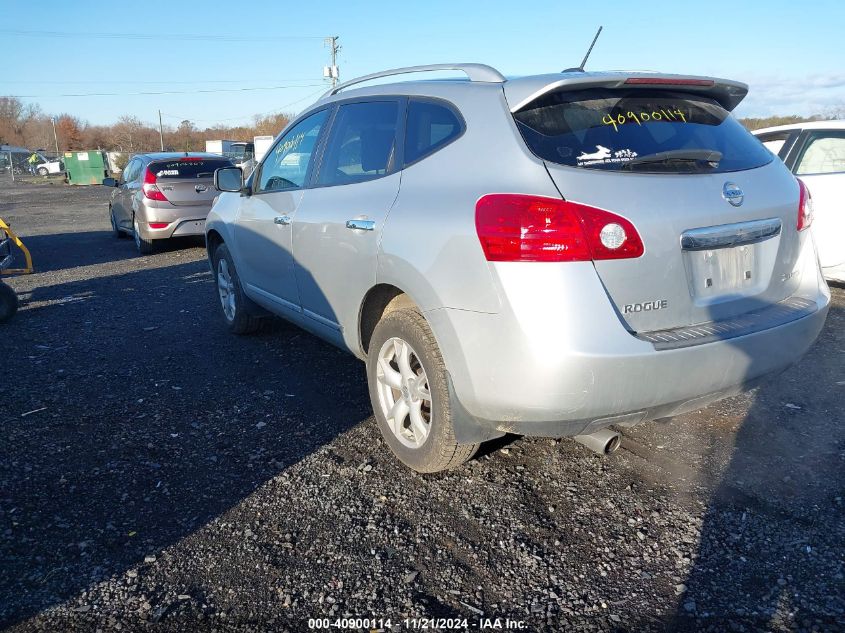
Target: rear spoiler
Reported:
[(522, 92)]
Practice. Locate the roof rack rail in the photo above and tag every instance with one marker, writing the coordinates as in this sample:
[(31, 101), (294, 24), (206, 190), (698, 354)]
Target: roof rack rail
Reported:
[(475, 72)]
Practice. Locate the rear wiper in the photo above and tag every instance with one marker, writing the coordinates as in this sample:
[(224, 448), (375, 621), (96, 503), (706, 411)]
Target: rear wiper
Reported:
[(692, 155)]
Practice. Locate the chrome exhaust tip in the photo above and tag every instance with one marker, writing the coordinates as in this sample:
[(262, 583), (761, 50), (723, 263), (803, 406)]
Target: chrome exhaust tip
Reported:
[(603, 442)]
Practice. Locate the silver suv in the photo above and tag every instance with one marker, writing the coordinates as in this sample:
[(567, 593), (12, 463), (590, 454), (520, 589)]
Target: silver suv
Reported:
[(547, 255)]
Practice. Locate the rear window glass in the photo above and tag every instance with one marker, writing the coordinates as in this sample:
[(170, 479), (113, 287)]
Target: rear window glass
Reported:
[(617, 130), (189, 168), (429, 127)]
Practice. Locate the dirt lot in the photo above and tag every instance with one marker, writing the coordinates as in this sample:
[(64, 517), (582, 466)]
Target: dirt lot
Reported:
[(159, 474)]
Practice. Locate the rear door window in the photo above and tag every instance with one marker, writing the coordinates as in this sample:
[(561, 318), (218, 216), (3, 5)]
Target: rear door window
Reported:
[(429, 127), (361, 144), (823, 154), (131, 170), (188, 168), (607, 129)]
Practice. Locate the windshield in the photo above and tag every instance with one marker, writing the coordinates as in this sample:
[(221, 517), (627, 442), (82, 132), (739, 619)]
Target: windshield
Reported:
[(605, 129)]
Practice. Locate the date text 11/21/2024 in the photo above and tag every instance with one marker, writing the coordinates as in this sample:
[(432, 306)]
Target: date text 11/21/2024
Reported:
[(417, 624)]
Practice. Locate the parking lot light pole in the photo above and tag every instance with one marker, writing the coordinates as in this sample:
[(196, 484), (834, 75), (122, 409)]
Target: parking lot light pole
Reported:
[(160, 132), (55, 138)]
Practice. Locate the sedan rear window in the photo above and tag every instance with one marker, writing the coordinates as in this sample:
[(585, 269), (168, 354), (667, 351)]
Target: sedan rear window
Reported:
[(638, 130), (191, 168)]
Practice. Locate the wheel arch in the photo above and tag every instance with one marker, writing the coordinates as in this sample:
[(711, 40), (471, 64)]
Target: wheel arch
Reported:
[(213, 239), (379, 300)]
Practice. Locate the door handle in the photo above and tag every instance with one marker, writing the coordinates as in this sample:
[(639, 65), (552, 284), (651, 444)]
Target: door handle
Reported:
[(361, 225), (283, 220)]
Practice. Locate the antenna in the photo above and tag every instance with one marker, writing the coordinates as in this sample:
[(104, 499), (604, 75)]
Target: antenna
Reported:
[(584, 61)]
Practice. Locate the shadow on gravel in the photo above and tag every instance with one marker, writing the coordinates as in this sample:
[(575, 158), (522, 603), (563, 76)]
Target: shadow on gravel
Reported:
[(771, 540), (59, 251), (134, 418)]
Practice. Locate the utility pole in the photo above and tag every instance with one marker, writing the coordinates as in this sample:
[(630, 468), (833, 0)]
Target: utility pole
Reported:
[(160, 131), (55, 138), (332, 72)]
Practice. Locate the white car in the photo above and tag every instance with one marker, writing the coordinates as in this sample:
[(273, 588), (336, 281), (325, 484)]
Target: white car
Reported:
[(815, 152), (47, 166)]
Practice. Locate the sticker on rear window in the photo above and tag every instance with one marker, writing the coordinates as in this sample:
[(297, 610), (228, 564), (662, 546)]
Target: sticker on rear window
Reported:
[(644, 117), (605, 155), (167, 172)]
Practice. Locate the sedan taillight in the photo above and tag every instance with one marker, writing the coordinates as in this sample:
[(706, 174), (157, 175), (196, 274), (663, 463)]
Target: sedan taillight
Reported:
[(150, 188)]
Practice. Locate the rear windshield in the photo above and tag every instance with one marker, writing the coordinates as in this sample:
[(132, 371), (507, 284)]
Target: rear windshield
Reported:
[(607, 129), (241, 153), (179, 168)]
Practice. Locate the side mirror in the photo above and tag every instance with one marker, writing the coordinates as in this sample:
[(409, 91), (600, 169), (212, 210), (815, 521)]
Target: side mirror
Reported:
[(110, 182), (229, 179)]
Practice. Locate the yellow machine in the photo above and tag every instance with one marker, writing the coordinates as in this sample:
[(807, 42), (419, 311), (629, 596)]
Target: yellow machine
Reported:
[(8, 298)]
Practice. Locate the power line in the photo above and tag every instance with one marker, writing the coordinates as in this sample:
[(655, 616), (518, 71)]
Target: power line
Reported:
[(158, 36), (166, 92), (248, 116)]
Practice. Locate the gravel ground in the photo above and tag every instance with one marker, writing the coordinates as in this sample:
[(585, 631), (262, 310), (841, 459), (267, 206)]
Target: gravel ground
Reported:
[(157, 473)]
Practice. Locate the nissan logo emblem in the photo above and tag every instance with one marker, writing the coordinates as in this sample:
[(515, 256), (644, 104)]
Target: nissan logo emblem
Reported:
[(733, 194)]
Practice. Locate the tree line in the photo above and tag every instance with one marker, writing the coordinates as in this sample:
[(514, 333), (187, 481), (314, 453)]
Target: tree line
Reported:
[(27, 126), (753, 123)]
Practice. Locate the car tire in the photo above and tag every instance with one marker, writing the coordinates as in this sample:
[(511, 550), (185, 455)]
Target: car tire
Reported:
[(415, 389), (8, 302), (233, 303), (116, 232), (144, 245), (42, 171)]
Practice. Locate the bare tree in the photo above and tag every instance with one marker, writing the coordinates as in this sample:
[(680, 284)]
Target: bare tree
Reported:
[(11, 131), (26, 125), (125, 135)]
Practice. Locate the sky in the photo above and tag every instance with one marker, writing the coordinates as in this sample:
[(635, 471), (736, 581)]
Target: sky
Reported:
[(232, 60)]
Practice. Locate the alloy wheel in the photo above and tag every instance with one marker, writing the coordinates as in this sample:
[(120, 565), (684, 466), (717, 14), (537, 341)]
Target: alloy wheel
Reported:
[(226, 289), (403, 392)]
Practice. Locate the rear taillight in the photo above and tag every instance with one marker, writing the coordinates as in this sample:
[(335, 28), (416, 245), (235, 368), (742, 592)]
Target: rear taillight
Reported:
[(159, 225), (150, 188), (523, 228), (805, 206)]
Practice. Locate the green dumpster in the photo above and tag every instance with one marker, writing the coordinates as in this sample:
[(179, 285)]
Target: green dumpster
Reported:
[(86, 168)]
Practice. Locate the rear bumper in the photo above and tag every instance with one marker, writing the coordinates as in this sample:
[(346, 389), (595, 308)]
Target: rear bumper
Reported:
[(558, 366), (179, 227)]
